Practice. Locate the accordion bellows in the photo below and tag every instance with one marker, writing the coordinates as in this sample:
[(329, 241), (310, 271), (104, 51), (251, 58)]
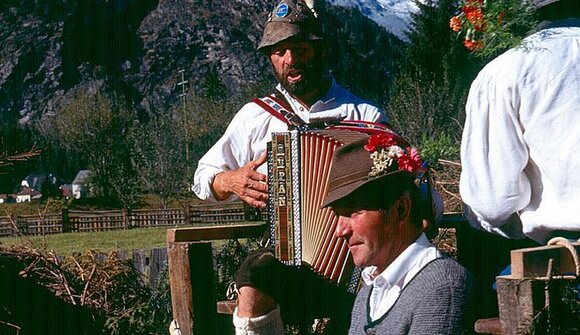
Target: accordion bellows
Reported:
[(302, 232)]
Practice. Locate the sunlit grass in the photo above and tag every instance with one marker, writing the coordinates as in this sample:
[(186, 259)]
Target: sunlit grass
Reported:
[(66, 244)]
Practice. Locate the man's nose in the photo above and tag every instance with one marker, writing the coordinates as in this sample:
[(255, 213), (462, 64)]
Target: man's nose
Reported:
[(342, 227), (289, 57)]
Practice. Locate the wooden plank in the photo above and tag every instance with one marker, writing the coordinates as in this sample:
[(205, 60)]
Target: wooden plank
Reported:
[(488, 326), (209, 233), (180, 284), (191, 278), (533, 262), (140, 263), (158, 261)]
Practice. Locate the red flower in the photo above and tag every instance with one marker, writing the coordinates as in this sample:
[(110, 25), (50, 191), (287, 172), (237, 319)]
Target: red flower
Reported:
[(471, 5), (476, 18), (472, 45), (455, 24), (411, 161), (378, 141)]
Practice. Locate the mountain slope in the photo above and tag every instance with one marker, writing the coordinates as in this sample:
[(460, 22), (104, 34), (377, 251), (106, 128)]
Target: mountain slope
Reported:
[(137, 48), (393, 15)]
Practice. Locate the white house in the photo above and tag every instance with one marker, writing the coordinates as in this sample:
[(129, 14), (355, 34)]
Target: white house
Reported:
[(28, 194), (80, 186)]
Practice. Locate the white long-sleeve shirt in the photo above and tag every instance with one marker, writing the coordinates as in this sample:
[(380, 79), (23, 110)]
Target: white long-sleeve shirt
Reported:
[(520, 148), (250, 130)]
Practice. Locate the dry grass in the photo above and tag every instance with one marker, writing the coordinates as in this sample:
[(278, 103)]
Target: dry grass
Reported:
[(446, 182)]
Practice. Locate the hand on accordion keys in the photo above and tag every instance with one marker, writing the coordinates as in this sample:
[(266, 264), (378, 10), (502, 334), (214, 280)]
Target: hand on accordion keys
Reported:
[(247, 183)]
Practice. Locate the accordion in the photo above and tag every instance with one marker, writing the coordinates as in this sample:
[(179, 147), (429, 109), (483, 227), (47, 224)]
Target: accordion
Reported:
[(298, 170)]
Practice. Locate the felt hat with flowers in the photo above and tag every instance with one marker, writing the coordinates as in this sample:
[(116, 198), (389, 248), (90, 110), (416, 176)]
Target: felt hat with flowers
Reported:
[(380, 157)]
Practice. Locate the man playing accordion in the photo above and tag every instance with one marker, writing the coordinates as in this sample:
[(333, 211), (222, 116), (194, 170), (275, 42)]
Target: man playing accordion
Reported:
[(306, 94)]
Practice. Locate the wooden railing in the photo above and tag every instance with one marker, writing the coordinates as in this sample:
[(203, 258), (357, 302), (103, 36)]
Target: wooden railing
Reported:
[(93, 221), (190, 259)]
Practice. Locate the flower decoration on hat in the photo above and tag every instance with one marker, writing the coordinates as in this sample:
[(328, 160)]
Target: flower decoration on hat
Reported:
[(488, 27), (388, 156)]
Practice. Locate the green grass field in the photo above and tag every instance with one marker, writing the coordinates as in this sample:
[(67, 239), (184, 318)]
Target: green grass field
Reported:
[(66, 244)]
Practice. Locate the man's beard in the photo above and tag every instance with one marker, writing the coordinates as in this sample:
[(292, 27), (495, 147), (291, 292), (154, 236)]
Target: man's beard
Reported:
[(312, 79)]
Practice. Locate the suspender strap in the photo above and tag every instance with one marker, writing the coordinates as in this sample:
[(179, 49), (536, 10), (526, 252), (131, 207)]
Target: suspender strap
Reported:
[(270, 110), (281, 99), (280, 110)]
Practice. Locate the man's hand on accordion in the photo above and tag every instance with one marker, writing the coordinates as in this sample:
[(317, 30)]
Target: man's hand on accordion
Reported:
[(247, 183)]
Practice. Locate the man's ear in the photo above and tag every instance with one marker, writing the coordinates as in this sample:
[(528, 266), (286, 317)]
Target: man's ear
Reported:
[(404, 208)]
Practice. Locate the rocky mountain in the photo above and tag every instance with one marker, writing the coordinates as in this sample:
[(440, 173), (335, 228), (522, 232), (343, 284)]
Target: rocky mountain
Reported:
[(393, 15), (140, 48)]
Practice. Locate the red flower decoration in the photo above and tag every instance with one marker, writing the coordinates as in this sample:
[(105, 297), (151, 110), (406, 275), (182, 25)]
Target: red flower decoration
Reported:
[(411, 161), (388, 155), (378, 141), (480, 22)]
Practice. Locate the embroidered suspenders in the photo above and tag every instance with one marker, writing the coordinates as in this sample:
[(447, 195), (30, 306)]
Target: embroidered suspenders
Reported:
[(280, 110)]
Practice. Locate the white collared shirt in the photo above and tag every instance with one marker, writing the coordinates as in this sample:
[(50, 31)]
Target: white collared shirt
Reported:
[(388, 284), (250, 130)]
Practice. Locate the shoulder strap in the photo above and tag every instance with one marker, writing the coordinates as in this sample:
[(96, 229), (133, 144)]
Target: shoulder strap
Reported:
[(260, 102), (279, 108)]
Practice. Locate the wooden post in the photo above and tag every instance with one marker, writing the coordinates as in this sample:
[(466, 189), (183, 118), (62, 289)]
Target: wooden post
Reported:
[(158, 261), (125, 218), (532, 299), (186, 215), (66, 228), (191, 280), (180, 282)]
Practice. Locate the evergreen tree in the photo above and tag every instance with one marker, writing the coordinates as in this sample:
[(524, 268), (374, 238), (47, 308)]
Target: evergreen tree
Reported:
[(435, 73)]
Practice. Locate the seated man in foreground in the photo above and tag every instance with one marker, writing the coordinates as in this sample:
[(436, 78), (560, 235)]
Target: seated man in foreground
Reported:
[(410, 287)]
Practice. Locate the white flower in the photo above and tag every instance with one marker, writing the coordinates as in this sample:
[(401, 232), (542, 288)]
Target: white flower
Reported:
[(383, 159)]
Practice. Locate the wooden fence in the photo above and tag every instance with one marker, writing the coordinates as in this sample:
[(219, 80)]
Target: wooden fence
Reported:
[(149, 263), (93, 221)]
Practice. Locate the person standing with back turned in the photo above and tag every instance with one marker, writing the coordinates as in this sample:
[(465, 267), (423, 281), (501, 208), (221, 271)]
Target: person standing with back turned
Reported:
[(520, 143)]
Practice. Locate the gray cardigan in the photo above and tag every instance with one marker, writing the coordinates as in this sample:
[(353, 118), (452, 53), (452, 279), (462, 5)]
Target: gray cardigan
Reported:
[(438, 300)]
